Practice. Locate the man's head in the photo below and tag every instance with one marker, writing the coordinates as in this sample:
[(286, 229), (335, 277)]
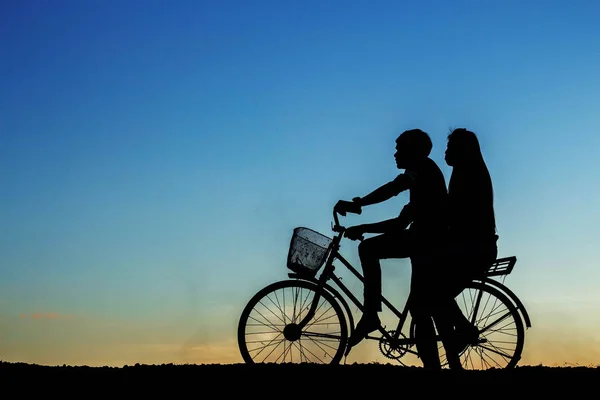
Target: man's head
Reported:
[(412, 146), (463, 148)]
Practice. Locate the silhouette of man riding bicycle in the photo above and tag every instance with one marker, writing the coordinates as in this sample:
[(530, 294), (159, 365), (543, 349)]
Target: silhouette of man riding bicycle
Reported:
[(450, 237)]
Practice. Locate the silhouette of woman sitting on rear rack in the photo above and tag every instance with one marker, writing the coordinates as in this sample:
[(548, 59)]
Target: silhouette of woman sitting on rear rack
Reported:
[(472, 248)]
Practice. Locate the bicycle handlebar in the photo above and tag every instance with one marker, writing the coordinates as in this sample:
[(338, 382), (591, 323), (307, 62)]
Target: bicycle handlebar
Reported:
[(339, 228)]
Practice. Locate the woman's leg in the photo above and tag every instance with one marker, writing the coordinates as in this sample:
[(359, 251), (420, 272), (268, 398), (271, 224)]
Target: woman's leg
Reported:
[(445, 326), (473, 264), (425, 341)]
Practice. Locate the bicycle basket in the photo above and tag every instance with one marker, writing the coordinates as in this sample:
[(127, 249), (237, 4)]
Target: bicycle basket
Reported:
[(308, 251)]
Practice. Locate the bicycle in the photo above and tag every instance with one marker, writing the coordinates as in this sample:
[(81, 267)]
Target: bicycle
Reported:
[(313, 334)]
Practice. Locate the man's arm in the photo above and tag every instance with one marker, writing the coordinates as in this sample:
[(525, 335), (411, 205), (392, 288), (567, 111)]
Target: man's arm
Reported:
[(401, 222), (386, 191)]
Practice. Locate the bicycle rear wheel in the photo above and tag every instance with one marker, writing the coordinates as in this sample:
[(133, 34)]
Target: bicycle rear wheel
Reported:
[(501, 329), (268, 331)]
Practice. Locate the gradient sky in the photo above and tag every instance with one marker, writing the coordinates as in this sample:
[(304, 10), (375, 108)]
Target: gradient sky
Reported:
[(155, 157)]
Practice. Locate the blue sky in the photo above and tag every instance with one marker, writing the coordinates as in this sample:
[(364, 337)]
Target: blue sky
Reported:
[(155, 157)]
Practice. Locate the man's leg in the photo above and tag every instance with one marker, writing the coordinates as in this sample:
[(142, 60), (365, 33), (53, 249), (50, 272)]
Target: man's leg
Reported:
[(371, 251), (421, 313)]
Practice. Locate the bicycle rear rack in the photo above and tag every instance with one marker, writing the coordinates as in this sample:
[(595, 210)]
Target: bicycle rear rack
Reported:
[(502, 266)]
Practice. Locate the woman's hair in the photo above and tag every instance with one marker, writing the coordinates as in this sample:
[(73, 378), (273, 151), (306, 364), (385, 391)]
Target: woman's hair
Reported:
[(466, 145), (471, 182)]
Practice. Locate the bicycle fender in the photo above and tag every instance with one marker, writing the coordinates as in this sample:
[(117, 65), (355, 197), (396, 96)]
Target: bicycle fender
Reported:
[(512, 296)]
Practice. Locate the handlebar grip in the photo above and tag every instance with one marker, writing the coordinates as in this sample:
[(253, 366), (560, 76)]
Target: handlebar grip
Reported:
[(355, 209)]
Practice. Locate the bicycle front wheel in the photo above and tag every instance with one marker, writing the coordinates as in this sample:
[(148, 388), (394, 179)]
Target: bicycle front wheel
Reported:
[(268, 330)]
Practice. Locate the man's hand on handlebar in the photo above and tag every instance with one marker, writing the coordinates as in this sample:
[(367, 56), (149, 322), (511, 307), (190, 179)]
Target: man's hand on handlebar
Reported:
[(342, 207), (355, 232)]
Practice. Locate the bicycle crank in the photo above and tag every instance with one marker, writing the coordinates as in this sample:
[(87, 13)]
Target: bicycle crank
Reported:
[(393, 351)]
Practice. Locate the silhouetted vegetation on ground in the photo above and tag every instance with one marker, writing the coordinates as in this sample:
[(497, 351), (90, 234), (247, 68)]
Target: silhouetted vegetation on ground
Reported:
[(290, 380)]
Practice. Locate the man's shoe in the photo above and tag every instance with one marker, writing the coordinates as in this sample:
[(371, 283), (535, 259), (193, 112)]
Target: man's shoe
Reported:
[(366, 325)]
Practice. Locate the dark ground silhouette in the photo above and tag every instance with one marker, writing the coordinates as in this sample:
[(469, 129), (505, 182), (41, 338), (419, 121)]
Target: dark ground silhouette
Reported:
[(290, 380)]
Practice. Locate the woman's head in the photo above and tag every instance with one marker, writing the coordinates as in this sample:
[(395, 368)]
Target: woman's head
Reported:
[(470, 188), (463, 148)]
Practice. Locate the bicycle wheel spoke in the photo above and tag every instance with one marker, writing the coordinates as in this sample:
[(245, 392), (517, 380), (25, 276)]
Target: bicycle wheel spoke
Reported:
[(262, 333), (486, 316), (265, 346), (495, 350), (307, 301), (271, 311), (283, 308), (319, 346), (317, 310), (299, 301), (300, 351), (483, 362), (266, 321), (502, 318), (269, 324), (279, 306), (317, 357), (470, 359), (269, 344), (301, 354), (286, 351), (275, 348), (489, 314), (319, 320), (330, 336), (485, 357), (295, 305)]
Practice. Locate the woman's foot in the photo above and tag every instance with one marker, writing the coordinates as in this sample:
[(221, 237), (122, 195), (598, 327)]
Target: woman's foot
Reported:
[(465, 336)]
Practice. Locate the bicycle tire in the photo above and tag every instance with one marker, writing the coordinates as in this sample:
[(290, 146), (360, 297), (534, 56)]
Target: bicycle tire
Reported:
[(293, 345)]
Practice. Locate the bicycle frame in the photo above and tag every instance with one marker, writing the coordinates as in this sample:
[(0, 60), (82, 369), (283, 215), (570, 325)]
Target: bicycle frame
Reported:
[(394, 339), (328, 274)]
